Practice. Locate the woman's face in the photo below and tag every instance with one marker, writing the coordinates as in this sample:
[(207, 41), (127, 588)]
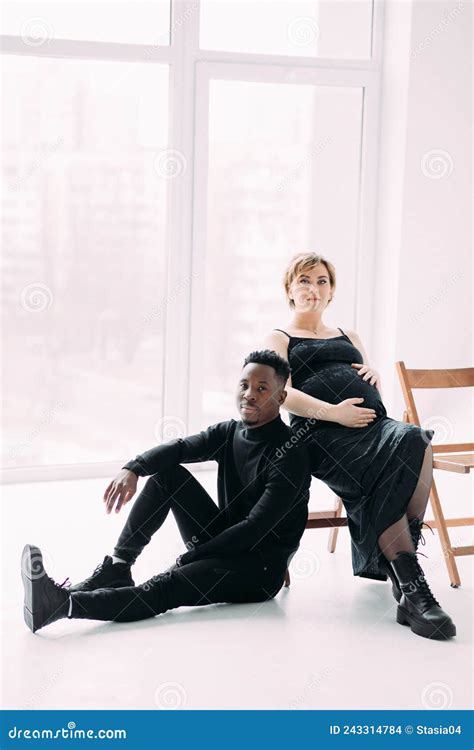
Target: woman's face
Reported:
[(311, 289)]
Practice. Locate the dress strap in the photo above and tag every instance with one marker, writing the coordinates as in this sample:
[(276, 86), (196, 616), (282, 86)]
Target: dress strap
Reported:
[(281, 331), (340, 329)]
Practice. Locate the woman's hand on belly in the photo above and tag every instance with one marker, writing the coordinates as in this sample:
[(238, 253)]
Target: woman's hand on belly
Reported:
[(367, 373), (350, 413)]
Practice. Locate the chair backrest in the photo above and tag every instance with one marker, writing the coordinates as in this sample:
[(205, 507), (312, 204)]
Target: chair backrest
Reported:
[(413, 379)]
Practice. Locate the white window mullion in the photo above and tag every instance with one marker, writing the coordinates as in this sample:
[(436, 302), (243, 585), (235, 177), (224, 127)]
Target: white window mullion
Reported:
[(185, 39), (85, 50), (200, 209)]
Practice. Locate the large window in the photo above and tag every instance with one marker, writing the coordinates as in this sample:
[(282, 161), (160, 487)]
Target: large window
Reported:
[(283, 168), (133, 22), (324, 28), (84, 219), (162, 162)]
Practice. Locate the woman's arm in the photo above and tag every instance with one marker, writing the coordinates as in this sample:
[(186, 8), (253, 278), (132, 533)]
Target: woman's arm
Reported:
[(365, 371), (304, 405)]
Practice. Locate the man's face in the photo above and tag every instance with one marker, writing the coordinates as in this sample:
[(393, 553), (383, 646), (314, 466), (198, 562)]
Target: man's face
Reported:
[(259, 394)]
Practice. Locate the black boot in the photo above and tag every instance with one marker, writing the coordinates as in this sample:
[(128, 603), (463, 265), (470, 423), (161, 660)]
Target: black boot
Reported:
[(415, 526), (386, 567), (107, 575), (45, 600), (418, 607)]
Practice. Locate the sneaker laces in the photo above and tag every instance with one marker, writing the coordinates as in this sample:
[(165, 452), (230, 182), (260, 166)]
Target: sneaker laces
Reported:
[(64, 585), (98, 569)]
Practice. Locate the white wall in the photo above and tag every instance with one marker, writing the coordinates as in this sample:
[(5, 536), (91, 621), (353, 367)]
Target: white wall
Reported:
[(423, 305)]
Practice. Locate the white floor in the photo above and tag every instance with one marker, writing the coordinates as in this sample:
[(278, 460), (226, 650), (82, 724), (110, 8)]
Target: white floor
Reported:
[(330, 641)]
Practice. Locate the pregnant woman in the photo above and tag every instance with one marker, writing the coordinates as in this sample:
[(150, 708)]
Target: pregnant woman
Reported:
[(381, 468)]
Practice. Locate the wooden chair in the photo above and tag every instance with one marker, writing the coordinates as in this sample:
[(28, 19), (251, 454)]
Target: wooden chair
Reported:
[(322, 520), (454, 457)]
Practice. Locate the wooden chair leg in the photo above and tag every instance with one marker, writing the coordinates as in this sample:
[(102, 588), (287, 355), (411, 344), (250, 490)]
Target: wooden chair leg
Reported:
[(333, 533), (444, 537), (287, 578)]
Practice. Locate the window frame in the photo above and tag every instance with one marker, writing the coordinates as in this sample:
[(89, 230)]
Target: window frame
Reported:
[(191, 69)]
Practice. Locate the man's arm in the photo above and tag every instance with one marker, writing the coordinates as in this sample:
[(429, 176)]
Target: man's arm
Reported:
[(287, 477), (204, 446)]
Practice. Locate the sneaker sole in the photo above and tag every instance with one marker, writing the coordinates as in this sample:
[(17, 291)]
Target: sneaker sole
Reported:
[(437, 633), (31, 565)]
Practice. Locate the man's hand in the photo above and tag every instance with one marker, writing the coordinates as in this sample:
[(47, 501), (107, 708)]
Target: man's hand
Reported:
[(121, 489)]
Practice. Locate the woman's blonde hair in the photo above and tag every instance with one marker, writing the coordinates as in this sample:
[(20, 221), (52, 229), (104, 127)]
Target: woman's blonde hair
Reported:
[(303, 262)]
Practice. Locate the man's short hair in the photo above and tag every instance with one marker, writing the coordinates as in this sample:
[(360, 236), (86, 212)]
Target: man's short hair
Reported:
[(271, 358)]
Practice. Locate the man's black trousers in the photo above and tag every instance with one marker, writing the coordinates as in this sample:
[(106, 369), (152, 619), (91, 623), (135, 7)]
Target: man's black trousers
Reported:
[(251, 577)]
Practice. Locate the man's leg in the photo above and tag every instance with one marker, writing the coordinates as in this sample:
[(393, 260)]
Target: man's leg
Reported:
[(208, 581), (196, 514)]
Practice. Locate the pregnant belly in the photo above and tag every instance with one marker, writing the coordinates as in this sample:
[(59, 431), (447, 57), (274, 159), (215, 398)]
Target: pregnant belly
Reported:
[(337, 382)]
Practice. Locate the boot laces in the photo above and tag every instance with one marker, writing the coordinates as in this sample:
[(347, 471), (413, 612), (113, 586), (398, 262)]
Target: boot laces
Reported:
[(422, 538), (419, 534), (420, 585)]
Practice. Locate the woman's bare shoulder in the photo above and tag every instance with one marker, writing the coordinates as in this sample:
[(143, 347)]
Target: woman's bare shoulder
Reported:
[(353, 335), (277, 341), (279, 334)]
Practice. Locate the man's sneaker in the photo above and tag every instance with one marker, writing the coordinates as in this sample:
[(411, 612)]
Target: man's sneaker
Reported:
[(45, 600), (107, 575)]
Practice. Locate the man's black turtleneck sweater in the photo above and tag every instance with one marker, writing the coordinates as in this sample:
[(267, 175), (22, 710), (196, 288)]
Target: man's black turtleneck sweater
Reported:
[(262, 483)]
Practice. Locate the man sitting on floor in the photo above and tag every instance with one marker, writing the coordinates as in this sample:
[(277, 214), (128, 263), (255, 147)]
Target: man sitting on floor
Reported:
[(238, 551)]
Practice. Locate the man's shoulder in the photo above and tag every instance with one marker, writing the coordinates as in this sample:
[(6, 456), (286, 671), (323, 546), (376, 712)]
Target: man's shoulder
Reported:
[(222, 428)]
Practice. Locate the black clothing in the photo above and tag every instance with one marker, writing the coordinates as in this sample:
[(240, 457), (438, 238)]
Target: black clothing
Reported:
[(263, 492), (230, 579), (374, 469), (237, 551)]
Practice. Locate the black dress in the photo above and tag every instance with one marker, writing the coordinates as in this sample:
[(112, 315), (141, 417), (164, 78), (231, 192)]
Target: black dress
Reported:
[(373, 469)]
